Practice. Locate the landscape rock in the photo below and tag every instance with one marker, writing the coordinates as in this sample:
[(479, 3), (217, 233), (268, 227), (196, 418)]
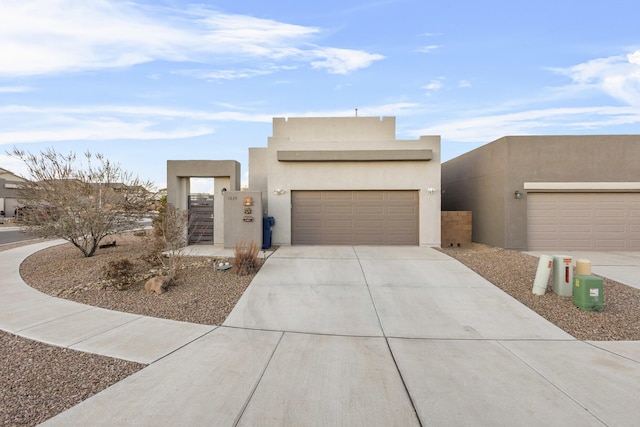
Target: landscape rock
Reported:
[(158, 284)]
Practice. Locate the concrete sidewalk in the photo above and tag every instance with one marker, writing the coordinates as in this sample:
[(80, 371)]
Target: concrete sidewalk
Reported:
[(32, 314), (373, 336)]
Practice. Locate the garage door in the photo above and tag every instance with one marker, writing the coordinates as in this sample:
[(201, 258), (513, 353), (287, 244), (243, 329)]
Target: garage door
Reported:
[(583, 221), (354, 217)]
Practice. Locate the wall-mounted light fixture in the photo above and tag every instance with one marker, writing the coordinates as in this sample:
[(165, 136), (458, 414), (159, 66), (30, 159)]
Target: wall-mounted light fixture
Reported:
[(278, 191), (431, 190), (518, 194), (224, 190)]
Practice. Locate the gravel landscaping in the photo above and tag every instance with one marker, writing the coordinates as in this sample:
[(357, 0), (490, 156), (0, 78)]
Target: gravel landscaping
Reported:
[(201, 294), (514, 273), (38, 381)]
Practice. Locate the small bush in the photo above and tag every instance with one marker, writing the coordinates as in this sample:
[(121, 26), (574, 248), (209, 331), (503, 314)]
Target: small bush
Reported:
[(120, 273), (246, 257)]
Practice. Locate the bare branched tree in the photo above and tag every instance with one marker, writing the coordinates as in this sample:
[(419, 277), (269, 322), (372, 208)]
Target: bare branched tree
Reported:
[(81, 201)]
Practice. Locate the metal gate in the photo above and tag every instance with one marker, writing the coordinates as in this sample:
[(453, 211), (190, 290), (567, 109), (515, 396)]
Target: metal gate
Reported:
[(200, 219)]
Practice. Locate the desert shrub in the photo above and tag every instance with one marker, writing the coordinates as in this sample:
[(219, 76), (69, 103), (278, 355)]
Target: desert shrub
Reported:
[(120, 273), (246, 257), (168, 240)]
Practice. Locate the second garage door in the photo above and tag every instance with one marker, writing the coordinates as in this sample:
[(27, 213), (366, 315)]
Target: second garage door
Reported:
[(354, 217), (583, 221)]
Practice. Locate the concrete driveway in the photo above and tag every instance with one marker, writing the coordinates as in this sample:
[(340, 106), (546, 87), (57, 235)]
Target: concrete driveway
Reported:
[(364, 336), (620, 266)]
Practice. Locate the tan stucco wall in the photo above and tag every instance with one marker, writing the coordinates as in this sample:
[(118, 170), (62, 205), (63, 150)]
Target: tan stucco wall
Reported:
[(258, 173), (485, 180), (310, 129), (338, 134), (179, 172), (475, 182)]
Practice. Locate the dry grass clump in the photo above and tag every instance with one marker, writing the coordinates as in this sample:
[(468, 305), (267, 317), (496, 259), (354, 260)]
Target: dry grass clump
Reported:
[(246, 255), (120, 273)]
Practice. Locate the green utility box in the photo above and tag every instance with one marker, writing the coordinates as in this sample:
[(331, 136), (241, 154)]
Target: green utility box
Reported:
[(588, 293)]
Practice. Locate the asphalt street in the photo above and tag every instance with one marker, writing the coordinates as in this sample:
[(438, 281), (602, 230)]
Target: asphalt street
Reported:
[(12, 235)]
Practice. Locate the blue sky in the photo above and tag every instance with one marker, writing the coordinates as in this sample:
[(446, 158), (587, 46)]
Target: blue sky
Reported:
[(147, 81)]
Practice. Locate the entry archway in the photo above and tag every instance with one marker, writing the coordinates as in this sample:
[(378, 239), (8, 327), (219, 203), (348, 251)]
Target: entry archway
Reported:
[(226, 175)]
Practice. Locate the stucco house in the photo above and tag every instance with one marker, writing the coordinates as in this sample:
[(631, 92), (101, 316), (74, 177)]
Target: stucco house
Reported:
[(550, 192), (333, 181), (9, 183)]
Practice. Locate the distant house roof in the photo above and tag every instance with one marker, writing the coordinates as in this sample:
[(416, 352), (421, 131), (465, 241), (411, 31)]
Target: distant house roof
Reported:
[(10, 176)]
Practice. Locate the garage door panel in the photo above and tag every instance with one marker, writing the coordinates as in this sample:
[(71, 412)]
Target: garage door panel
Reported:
[(574, 213), (575, 228), (610, 228), (542, 213), (355, 217), (400, 240), (406, 224), (577, 244), (311, 236), (344, 225), (403, 210), (337, 238), (367, 239), (310, 209), (338, 210), (610, 244), (310, 195), (337, 195), (583, 221), (617, 213), (370, 210), (544, 228), (403, 195), (373, 225), (370, 195)]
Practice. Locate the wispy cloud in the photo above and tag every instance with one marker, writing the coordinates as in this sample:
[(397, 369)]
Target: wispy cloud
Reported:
[(343, 61), (486, 128), (428, 49), (114, 122), (616, 76), (56, 36), (13, 165), (99, 130), (433, 86), (231, 74), (16, 89)]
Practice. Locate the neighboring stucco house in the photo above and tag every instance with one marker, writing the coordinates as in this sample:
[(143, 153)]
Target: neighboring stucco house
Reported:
[(550, 192), (334, 181), (9, 191)]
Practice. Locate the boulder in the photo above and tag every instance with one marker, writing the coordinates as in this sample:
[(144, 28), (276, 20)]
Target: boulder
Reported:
[(158, 284)]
